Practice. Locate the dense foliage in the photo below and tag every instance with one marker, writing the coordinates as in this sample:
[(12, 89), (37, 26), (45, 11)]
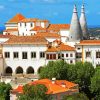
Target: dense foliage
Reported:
[(80, 73), (95, 84), (5, 91), (34, 92), (78, 96)]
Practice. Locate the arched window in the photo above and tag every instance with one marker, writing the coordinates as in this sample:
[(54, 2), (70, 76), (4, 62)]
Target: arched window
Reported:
[(19, 70), (8, 71), (40, 68), (30, 70)]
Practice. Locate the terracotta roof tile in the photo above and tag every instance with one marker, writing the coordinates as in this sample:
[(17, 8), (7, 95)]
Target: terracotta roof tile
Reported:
[(29, 20), (47, 34), (26, 40), (52, 49), (33, 20), (17, 18), (61, 47), (89, 42), (11, 30), (6, 36), (53, 88), (56, 27), (38, 28)]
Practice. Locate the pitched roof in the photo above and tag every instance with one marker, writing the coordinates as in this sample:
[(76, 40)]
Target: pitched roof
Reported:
[(17, 18), (53, 88), (11, 30), (58, 26), (61, 47), (38, 28), (33, 20), (26, 40), (6, 36), (89, 42), (47, 34), (29, 20)]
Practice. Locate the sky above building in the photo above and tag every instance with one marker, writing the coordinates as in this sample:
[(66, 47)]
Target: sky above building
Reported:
[(56, 11)]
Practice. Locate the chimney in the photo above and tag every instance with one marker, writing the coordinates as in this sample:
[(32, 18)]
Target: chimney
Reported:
[(83, 23), (75, 28), (53, 80)]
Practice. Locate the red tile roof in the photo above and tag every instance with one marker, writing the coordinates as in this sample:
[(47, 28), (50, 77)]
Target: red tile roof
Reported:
[(26, 40), (33, 20), (53, 88), (61, 47), (47, 34), (11, 30), (29, 20), (17, 18), (89, 42), (6, 36), (38, 28), (56, 27)]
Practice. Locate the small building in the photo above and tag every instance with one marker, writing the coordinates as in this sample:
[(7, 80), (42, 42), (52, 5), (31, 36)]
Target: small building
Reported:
[(56, 88)]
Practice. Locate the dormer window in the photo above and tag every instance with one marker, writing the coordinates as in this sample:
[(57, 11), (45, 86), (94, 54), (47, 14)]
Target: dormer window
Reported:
[(31, 24), (20, 24), (25, 24)]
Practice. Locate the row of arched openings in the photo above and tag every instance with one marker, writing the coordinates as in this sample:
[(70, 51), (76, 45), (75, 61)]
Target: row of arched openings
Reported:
[(19, 70)]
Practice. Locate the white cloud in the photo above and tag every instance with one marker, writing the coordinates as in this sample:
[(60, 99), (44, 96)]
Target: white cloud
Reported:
[(2, 7), (98, 13)]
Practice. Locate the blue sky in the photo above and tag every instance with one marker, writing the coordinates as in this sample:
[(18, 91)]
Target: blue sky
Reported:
[(57, 11)]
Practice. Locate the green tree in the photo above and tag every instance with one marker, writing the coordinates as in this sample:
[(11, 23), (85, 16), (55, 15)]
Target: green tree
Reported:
[(79, 96), (5, 91), (95, 84), (84, 72), (56, 69), (34, 92)]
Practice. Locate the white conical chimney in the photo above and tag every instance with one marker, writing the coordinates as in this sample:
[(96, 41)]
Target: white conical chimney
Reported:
[(75, 28), (83, 23)]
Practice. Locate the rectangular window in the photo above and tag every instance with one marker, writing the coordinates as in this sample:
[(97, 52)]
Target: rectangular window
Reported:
[(20, 24), (78, 55), (15, 54), (47, 56), (24, 55), (67, 55), (42, 54), (71, 55), (88, 54), (51, 56), (25, 24), (31, 24), (33, 54), (71, 61), (98, 54), (7, 54), (62, 55)]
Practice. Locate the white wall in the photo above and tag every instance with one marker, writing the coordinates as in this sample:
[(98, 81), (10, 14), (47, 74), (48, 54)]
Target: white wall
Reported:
[(24, 63), (93, 50), (25, 30), (11, 25)]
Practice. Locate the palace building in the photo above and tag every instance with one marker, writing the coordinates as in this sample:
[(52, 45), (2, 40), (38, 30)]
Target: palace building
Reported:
[(27, 44)]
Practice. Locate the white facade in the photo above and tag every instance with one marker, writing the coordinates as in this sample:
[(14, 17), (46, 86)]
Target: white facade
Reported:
[(89, 53), (35, 63), (24, 28)]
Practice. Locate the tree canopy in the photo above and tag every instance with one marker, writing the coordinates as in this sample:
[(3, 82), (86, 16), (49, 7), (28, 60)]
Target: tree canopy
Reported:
[(5, 91), (34, 92), (95, 84), (80, 73), (79, 96)]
